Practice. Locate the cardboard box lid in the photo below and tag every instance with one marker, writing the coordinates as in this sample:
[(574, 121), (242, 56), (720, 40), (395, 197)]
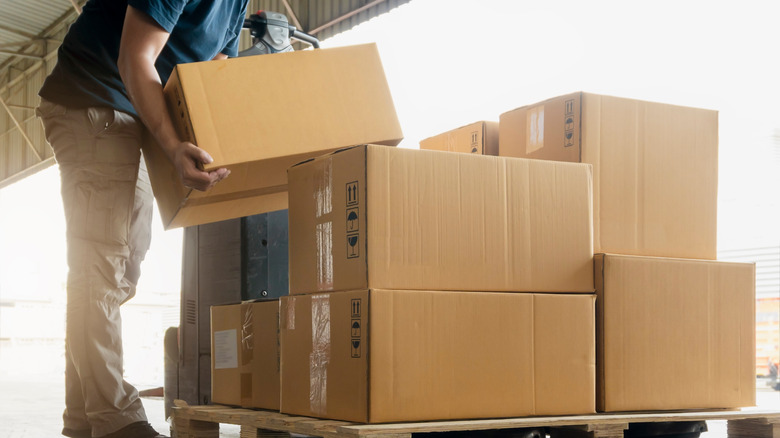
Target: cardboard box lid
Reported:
[(306, 98), (675, 333)]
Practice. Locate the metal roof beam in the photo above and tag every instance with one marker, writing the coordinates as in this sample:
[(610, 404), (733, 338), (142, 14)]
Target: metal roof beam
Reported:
[(20, 54), (345, 16), (18, 32), (76, 6), (21, 129), (21, 43), (292, 15)]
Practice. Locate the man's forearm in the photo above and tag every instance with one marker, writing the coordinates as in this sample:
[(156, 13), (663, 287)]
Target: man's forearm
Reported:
[(142, 82), (142, 41)]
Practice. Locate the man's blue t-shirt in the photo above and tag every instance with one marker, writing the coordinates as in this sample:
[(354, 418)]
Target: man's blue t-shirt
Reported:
[(86, 73)]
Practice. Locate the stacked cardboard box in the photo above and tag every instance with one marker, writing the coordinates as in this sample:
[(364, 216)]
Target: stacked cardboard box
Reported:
[(676, 329), (245, 354), (416, 280)]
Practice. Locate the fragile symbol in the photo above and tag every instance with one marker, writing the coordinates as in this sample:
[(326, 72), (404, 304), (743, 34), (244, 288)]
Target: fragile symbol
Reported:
[(352, 193), (355, 347), (352, 219), (352, 246), (355, 328), (356, 307)]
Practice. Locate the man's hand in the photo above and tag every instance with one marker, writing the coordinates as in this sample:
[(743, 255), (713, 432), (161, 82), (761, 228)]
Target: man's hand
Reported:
[(142, 41), (188, 160)]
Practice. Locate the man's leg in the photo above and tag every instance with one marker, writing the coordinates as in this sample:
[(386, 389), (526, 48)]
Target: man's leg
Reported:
[(98, 151)]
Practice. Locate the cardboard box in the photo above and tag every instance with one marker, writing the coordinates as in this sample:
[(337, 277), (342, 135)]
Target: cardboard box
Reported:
[(382, 356), (674, 334), (655, 168), (477, 138), (245, 354), (393, 218), (258, 115)]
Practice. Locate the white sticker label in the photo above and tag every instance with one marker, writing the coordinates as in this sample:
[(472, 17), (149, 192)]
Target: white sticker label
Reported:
[(225, 349)]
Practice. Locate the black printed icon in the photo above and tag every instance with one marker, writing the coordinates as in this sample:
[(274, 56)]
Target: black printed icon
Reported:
[(352, 219), (352, 193), (356, 308), (570, 107), (352, 246), (355, 347), (355, 328)]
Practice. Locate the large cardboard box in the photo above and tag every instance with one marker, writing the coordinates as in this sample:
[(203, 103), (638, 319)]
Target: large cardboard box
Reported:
[(258, 115), (245, 354), (476, 138), (392, 218), (655, 168), (382, 356), (674, 334)]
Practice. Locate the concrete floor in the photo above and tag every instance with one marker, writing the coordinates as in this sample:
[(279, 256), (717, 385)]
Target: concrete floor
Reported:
[(32, 408)]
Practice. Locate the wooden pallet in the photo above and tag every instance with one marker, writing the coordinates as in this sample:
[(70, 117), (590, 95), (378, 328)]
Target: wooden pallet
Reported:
[(204, 421)]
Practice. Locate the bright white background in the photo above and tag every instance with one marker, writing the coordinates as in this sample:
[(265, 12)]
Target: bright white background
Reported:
[(452, 62)]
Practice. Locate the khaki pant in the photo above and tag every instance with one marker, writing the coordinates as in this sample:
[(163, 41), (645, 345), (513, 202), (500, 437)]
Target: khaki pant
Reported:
[(108, 210)]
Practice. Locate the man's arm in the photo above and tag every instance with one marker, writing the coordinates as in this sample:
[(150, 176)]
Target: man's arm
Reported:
[(142, 41)]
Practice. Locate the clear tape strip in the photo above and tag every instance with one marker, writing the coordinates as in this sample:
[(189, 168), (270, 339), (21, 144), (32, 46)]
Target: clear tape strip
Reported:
[(247, 334), (324, 233), (320, 354)]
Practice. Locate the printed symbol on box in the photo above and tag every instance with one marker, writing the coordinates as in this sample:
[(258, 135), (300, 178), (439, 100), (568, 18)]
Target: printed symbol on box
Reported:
[(569, 124), (352, 193), (355, 328), (355, 347), (570, 107), (356, 308), (474, 142), (352, 246), (352, 219), (569, 132)]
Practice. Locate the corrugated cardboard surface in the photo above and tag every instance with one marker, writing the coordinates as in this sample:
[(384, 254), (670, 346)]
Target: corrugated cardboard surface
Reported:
[(674, 333), (379, 217), (245, 354), (226, 361), (655, 168), (261, 320), (383, 356), (476, 138), (258, 115)]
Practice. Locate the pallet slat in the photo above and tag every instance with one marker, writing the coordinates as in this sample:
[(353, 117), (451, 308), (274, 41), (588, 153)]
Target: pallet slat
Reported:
[(203, 422)]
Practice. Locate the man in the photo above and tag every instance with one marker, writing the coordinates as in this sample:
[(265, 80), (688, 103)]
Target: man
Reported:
[(102, 100)]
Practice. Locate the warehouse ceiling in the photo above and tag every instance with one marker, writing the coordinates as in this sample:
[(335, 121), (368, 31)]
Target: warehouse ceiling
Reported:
[(31, 31)]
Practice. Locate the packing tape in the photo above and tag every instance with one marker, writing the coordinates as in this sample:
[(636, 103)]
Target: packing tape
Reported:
[(324, 240), (323, 190), (320, 354), (534, 129), (290, 314), (247, 334)]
